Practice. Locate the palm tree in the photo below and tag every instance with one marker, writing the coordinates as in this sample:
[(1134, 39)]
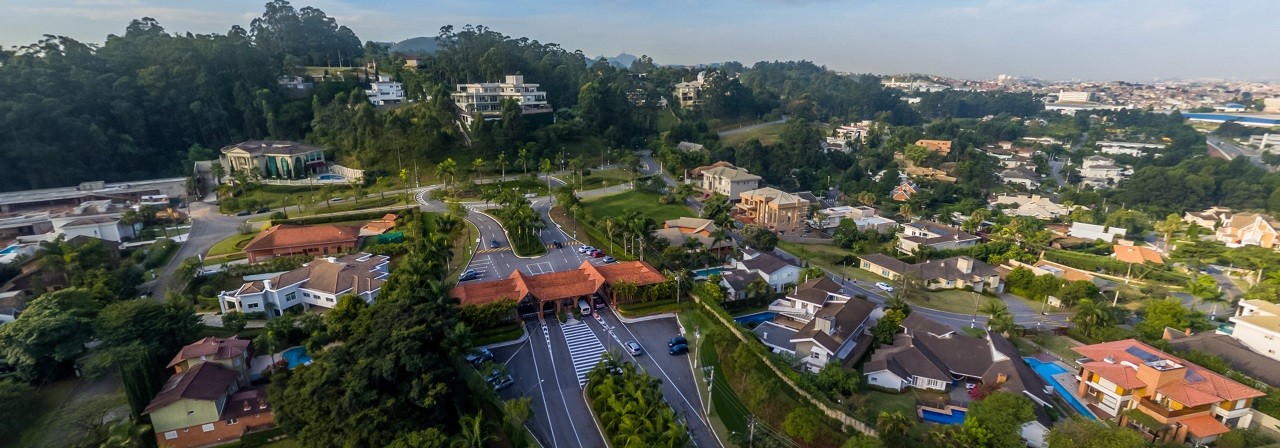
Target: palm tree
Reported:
[(897, 303), (546, 167), (1090, 315), (477, 165), (575, 166), (893, 426), (994, 307), (1171, 225), (447, 168), (471, 432), (218, 173), (523, 155), (502, 164), (866, 198)]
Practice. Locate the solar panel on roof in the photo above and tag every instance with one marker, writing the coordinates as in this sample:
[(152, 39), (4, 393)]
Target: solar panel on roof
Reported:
[(1192, 376), (1144, 355)]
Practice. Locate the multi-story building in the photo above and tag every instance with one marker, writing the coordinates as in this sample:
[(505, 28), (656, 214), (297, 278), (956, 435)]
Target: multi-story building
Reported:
[(773, 208), (947, 273), (274, 159), (689, 94), (283, 240), (384, 92), (939, 146), (1076, 97), (1129, 148), (681, 231), (1180, 401), (729, 181), (1257, 326), (485, 99), (917, 234), (865, 218), (208, 400), (315, 284), (1248, 229), (1101, 172)]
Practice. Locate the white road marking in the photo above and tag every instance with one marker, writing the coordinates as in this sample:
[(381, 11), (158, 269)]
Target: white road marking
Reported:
[(584, 349), (546, 409), (668, 377), (556, 374)]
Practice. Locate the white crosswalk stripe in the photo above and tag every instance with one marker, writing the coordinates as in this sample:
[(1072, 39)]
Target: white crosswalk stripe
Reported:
[(584, 348)]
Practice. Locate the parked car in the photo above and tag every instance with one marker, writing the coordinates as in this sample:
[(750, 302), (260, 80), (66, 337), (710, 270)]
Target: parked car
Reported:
[(599, 302), (634, 348), (597, 254), (678, 349), (469, 274), (493, 375), (479, 356), (244, 213), (494, 244), (502, 383), (678, 340), (608, 260), (584, 307), (585, 249), (263, 210), (884, 286), (620, 367), (557, 244)]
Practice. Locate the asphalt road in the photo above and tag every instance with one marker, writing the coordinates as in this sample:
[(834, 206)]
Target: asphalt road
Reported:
[(207, 228), (543, 369)]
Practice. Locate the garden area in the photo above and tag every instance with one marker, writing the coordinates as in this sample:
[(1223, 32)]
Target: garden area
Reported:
[(647, 204)]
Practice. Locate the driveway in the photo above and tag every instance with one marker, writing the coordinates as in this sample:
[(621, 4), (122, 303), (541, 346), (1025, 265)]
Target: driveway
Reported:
[(207, 228)]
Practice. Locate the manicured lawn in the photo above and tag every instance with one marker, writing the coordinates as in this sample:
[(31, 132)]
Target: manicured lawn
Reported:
[(232, 244), (219, 332), (351, 205), (954, 300), (1058, 345), (828, 257), (878, 402), (766, 134), (636, 201), (604, 178)]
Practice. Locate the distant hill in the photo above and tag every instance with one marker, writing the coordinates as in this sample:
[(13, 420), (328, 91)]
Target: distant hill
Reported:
[(621, 61), (417, 45)]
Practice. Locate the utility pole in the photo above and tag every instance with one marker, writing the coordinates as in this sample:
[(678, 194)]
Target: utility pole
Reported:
[(751, 435), (711, 386)]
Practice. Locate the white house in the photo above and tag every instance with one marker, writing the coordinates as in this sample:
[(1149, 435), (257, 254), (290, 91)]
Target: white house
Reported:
[(1257, 326), (729, 181), (384, 92), (776, 272), (318, 283), (1100, 171), (1034, 206), (917, 234), (1095, 232), (1128, 148), (865, 218), (486, 98), (1020, 176)]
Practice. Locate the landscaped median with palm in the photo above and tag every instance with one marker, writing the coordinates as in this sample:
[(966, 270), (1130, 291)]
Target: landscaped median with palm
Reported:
[(628, 403), (522, 223)]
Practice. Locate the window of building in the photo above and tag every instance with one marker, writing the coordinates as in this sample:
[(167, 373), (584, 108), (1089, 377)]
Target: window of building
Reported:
[(207, 427), (190, 413), (171, 435), (291, 297), (232, 421), (252, 305)]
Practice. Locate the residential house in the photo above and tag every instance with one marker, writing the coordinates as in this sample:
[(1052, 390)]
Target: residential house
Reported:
[(1208, 219), (1061, 271), (283, 240), (682, 231), (105, 227), (1257, 326), (947, 273), (689, 94), (772, 208), (865, 218), (689, 146), (1131, 149), (939, 146), (1129, 253), (735, 283), (1248, 229), (930, 356), (853, 132), (1034, 206), (775, 271), (379, 226), (904, 191), (1240, 357), (485, 99), (11, 305), (385, 92), (729, 181), (917, 234), (316, 284), (696, 174), (208, 400), (1020, 176), (554, 291), (24, 224), (834, 333), (270, 159), (1187, 403), (1102, 172), (1094, 232)]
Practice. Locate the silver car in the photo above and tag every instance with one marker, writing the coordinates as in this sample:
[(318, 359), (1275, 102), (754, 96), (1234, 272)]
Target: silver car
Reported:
[(635, 348)]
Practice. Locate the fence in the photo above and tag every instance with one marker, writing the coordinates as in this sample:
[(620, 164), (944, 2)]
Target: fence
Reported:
[(805, 239), (351, 174)]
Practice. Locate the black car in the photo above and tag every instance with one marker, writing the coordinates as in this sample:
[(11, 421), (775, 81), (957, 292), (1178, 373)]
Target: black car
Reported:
[(479, 356), (263, 210), (678, 340), (244, 213), (678, 349), (469, 274), (494, 244)]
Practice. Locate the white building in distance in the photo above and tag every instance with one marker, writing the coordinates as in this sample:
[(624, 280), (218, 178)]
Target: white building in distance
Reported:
[(384, 92), (485, 99)]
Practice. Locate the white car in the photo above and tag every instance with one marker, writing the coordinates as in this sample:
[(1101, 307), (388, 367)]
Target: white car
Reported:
[(884, 286), (585, 249)]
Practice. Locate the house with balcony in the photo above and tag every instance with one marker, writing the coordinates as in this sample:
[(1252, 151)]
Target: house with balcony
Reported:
[(819, 324), (1257, 326), (778, 273), (270, 159), (772, 208), (315, 284), (1248, 229), (688, 94), (1102, 172), (702, 233), (729, 181), (485, 99), (866, 219), (1178, 401), (948, 273), (208, 400), (231, 353), (917, 234), (385, 92)]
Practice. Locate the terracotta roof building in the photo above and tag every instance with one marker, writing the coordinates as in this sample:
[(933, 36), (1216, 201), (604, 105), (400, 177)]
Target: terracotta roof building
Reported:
[(939, 146), (1188, 402), (205, 403), (549, 292), (1129, 253), (379, 226), (287, 239), (318, 283), (679, 232), (232, 353)]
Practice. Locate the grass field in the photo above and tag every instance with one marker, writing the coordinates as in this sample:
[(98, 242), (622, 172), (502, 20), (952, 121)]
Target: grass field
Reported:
[(636, 201), (463, 249), (352, 205), (953, 300), (766, 135), (827, 257), (604, 178), (230, 245)]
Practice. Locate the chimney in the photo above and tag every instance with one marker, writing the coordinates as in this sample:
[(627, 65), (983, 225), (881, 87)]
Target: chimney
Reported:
[(964, 264), (266, 284), (822, 324)]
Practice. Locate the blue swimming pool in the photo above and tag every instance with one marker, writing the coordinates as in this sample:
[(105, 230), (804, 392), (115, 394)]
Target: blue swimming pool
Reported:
[(296, 357), (331, 177), (1047, 370), (704, 273), (956, 417), (754, 319), (8, 250)]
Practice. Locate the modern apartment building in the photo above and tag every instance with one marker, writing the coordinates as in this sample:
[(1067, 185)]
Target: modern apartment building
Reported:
[(1179, 401), (385, 92), (485, 99)]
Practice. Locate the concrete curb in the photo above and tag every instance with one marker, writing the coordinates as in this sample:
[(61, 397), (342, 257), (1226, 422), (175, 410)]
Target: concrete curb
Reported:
[(648, 318), (595, 419), (508, 235), (524, 336)]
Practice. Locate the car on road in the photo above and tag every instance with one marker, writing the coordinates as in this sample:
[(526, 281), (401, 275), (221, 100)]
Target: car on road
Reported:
[(244, 213), (608, 260), (678, 349), (884, 286), (585, 249), (599, 302), (503, 382), (494, 244), (634, 348), (584, 307), (557, 244), (678, 340), (262, 210), (469, 274), (479, 356)]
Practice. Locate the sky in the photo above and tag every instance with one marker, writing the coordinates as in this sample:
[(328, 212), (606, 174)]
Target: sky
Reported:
[(1129, 40)]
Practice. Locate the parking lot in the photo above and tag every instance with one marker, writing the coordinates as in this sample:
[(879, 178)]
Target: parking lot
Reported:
[(550, 368)]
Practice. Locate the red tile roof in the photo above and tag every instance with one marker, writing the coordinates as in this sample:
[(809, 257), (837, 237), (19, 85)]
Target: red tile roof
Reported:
[(1137, 254), (1205, 425), (289, 235), (380, 226), (1200, 379), (1123, 376), (206, 381), (584, 280), (217, 348)]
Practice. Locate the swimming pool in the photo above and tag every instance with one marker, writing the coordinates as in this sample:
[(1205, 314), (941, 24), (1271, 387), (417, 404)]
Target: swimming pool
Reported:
[(1047, 370), (956, 417), (754, 319), (331, 177), (296, 357), (9, 250), (704, 273)]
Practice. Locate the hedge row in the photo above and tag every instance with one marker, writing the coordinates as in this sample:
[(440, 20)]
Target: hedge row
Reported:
[(341, 218)]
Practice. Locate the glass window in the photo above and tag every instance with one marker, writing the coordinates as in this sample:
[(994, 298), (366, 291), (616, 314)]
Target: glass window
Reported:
[(232, 421), (171, 435), (206, 427)]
